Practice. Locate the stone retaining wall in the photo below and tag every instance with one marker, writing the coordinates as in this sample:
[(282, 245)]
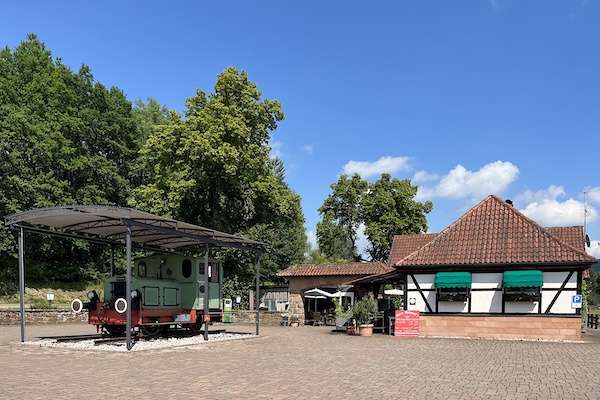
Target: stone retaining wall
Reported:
[(13, 317), (508, 327)]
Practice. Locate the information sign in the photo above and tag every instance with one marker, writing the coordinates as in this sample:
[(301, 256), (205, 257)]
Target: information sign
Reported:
[(577, 301), (406, 323)]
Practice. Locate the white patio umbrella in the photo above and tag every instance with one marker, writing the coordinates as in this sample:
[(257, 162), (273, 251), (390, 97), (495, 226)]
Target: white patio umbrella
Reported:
[(316, 293), (394, 292), (347, 292)]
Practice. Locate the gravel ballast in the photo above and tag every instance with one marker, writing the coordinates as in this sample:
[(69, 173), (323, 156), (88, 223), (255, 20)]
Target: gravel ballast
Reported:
[(152, 344)]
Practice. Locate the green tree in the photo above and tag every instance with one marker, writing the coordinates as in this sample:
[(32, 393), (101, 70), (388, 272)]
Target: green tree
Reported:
[(388, 208), (148, 115), (64, 139), (385, 207), (212, 168), (337, 231)]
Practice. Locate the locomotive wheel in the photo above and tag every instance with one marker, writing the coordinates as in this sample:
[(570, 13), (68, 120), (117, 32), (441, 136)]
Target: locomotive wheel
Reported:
[(115, 330), (195, 327), (151, 330)]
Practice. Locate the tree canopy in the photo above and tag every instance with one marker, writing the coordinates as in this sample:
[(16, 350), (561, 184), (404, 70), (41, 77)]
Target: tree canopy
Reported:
[(337, 231), (64, 139), (213, 168), (385, 208)]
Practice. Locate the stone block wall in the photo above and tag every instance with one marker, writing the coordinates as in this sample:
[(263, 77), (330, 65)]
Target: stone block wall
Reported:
[(13, 317), (508, 327)]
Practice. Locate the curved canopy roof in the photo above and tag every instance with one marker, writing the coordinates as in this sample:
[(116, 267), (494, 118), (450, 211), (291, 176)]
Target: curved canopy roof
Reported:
[(106, 223)]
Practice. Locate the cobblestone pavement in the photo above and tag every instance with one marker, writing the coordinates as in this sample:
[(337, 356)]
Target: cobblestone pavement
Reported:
[(302, 363)]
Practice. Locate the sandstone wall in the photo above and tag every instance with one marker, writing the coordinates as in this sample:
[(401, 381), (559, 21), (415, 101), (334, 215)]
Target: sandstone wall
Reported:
[(13, 317)]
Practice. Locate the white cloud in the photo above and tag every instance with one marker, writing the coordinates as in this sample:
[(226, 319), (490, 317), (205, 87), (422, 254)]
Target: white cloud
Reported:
[(494, 4), (361, 241), (593, 195), (492, 178), (544, 208), (594, 248), (528, 196), (555, 213), (276, 149), (424, 176), (312, 239), (366, 169), (308, 148)]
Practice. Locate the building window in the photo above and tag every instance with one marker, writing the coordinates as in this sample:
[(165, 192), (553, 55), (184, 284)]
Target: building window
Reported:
[(522, 285), (453, 286)]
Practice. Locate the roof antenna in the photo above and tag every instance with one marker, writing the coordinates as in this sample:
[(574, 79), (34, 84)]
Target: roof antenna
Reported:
[(585, 217)]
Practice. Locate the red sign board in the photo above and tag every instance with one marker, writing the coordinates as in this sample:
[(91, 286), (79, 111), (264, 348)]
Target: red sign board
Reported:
[(406, 323)]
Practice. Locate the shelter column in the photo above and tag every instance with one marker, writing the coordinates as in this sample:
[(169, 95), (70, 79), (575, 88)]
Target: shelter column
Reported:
[(22, 281), (128, 290), (206, 292), (257, 299)]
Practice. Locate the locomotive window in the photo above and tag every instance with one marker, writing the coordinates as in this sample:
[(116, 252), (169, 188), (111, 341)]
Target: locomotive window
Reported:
[(201, 268), (214, 273), (142, 269), (186, 268)]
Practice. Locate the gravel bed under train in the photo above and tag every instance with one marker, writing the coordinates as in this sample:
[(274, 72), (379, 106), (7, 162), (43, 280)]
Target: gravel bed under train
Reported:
[(151, 344)]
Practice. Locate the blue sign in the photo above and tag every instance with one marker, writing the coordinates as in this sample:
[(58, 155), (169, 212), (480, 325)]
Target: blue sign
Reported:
[(576, 301)]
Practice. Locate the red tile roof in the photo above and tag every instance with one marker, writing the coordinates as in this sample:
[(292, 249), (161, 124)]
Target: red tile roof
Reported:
[(351, 268), (494, 232), (403, 245), (572, 235)]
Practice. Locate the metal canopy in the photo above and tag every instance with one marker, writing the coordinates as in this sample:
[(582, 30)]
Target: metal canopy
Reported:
[(123, 226), (89, 222)]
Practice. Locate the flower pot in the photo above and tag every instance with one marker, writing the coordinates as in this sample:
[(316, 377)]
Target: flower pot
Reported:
[(350, 330), (294, 324), (366, 330)]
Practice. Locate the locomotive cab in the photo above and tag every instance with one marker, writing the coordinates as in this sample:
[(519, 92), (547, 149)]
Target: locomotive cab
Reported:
[(166, 292)]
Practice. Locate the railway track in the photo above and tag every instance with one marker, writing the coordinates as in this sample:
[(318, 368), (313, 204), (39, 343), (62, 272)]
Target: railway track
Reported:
[(100, 339)]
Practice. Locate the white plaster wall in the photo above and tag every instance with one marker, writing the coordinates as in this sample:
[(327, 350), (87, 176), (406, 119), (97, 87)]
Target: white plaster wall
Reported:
[(453, 306), (555, 280), (486, 281), (521, 307), (491, 301), (425, 281), (562, 304), (486, 302)]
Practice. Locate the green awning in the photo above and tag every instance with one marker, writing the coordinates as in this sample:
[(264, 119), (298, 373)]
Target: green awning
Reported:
[(533, 278), (453, 280)]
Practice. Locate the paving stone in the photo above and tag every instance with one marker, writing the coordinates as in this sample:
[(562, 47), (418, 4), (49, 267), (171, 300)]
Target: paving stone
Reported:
[(302, 363)]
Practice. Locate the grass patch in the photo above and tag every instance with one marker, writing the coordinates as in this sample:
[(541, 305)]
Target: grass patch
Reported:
[(35, 295)]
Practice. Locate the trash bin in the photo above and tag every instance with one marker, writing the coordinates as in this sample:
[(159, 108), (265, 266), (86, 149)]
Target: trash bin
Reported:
[(227, 310)]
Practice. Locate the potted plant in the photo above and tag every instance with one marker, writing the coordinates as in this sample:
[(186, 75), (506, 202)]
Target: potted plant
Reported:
[(342, 317), (294, 321), (365, 312)]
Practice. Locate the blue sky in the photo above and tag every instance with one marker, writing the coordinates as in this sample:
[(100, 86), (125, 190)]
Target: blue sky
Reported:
[(465, 98)]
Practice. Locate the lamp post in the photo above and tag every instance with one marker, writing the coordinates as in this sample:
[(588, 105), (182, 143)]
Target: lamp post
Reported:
[(50, 297)]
